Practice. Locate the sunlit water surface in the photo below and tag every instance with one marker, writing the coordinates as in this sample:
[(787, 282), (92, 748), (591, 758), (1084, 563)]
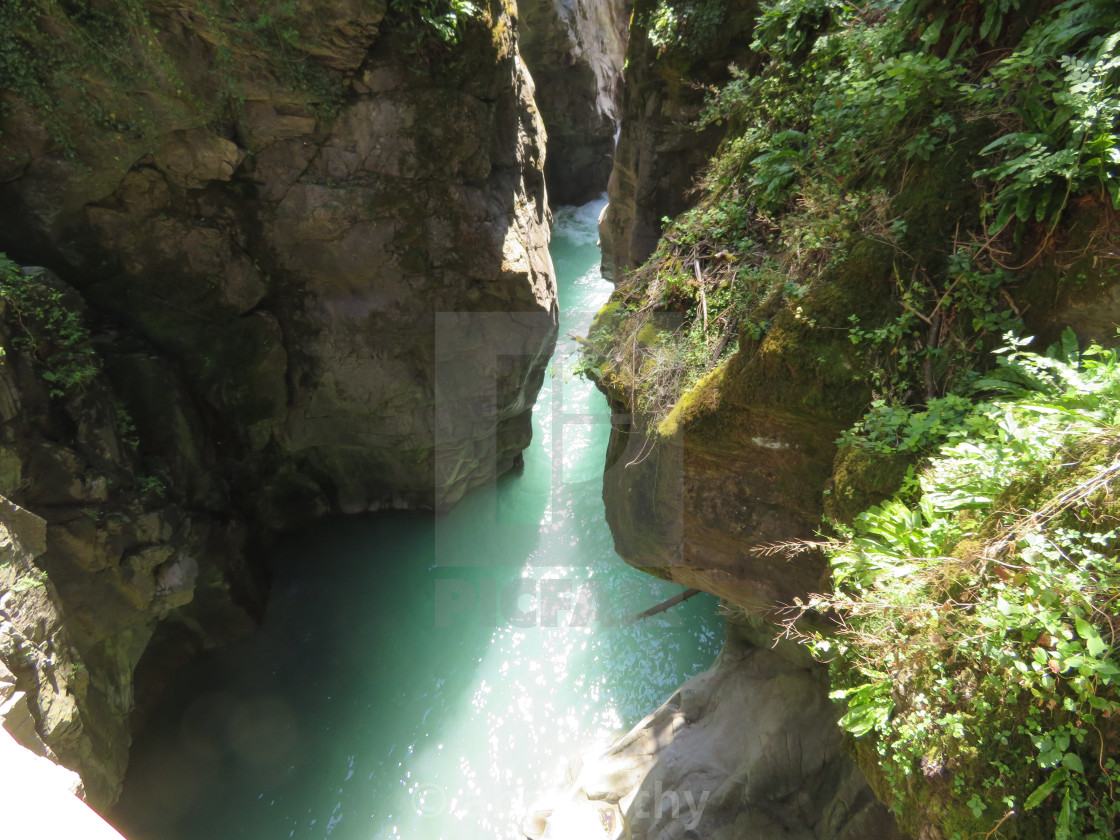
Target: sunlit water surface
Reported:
[(424, 678)]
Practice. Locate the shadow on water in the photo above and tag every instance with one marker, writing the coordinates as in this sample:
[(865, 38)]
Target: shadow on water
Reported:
[(418, 677)]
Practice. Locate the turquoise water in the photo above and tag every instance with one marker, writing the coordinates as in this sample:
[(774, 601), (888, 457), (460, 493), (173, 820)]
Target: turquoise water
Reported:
[(420, 677)]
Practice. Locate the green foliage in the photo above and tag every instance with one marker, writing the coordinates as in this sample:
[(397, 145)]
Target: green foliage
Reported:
[(685, 27), (978, 630), (49, 327), (891, 428), (79, 63), (832, 136), (785, 27), (923, 360), (443, 19), (870, 87), (152, 484), (1060, 84)]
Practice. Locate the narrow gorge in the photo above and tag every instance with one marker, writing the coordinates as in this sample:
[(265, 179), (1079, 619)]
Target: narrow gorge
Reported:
[(348, 431)]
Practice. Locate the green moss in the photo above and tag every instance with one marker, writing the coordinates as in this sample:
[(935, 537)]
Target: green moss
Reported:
[(650, 334), (863, 477), (939, 198), (607, 318), (702, 398)]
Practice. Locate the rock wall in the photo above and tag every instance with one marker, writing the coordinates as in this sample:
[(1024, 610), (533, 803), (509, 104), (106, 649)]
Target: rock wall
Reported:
[(289, 242), (110, 549), (575, 50), (748, 458), (751, 452), (660, 152)]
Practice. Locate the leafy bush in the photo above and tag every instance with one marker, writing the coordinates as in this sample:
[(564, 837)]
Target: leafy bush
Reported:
[(1060, 84), (442, 18), (978, 631), (684, 26), (50, 327), (890, 84)]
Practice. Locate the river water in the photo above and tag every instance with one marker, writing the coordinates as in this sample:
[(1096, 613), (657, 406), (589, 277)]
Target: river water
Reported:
[(419, 677)]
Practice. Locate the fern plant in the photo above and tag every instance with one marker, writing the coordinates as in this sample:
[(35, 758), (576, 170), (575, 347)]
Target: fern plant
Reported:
[(978, 649)]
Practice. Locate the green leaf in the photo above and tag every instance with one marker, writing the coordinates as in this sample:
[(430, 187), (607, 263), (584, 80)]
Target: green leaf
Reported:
[(1072, 761), (1045, 789), (1062, 830), (1070, 347), (1093, 640)]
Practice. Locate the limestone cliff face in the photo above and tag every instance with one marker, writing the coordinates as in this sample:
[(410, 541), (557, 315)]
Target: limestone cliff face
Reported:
[(660, 153), (289, 242), (109, 551), (575, 50)]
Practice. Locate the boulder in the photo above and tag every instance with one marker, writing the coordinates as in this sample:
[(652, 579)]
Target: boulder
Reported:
[(749, 748)]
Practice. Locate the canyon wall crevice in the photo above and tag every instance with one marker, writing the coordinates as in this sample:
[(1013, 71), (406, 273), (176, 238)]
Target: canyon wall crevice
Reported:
[(660, 152), (575, 51)]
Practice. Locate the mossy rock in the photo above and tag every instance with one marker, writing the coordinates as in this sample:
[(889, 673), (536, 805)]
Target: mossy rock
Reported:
[(607, 319), (940, 197), (806, 360), (650, 335), (862, 477), (701, 398), (1075, 284)]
